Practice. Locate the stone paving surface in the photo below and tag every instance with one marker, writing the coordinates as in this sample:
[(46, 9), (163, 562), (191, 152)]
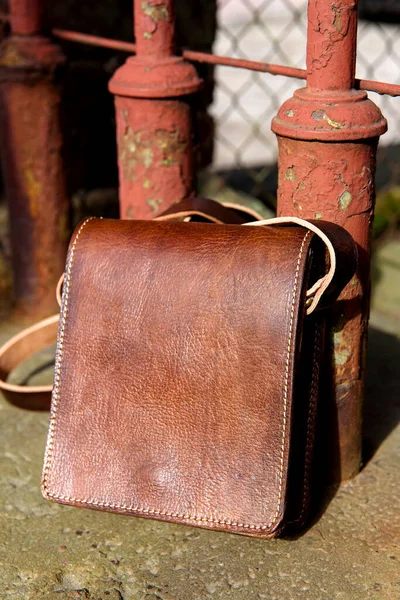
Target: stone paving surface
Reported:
[(53, 552)]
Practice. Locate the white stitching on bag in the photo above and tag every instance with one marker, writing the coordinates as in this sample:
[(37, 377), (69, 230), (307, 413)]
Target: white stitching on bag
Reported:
[(57, 368), (137, 509)]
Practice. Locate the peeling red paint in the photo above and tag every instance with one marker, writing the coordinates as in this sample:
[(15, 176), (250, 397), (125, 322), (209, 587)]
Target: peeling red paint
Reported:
[(155, 162), (331, 36)]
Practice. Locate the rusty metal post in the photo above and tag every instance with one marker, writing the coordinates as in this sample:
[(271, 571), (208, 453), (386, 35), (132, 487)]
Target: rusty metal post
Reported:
[(154, 133), (33, 173), (327, 135)]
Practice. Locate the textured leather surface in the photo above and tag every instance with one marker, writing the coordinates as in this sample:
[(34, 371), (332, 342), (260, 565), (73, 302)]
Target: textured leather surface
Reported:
[(177, 352)]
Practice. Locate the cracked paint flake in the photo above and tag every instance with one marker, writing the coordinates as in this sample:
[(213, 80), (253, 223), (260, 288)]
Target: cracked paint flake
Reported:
[(290, 174), (154, 204), (341, 19), (333, 123), (136, 149), (343, 349), (318, 115), (345, 199), (337, 21), (171, 146), (156, 12)]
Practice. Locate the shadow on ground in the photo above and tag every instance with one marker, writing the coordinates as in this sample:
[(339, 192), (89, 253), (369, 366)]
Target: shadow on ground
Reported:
[(382, 397)]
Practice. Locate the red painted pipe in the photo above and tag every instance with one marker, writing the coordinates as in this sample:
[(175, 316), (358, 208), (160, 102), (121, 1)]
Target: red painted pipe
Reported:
[(327, 136), (33, 171)]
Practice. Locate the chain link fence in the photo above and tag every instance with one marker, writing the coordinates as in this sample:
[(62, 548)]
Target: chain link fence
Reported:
[(274, 31)]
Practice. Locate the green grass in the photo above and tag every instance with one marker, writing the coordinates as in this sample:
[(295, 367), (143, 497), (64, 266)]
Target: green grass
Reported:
[(387, 210)]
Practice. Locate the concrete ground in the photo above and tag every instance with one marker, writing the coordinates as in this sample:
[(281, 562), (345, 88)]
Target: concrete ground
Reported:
[(54, 552)]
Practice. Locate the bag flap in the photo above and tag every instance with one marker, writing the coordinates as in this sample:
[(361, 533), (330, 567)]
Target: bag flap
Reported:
[(174, 371)]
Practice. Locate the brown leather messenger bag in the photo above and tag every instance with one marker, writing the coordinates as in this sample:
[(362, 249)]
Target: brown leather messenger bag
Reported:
[(188, 364)]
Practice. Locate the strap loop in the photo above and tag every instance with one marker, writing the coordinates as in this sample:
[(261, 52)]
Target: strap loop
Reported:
[(316, 291)]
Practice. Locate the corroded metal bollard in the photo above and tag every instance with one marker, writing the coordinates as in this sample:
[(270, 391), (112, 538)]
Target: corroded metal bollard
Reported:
[(328, 134), (154, 132), (33, 172)]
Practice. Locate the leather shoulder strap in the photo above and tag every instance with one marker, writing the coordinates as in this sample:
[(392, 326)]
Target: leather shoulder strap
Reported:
[(15, 351)]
